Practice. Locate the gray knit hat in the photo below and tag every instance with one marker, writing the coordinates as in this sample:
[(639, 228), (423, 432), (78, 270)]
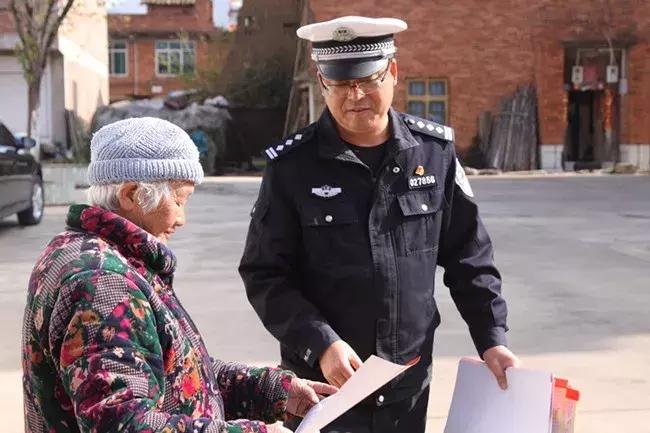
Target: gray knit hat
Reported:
[(143, 149)]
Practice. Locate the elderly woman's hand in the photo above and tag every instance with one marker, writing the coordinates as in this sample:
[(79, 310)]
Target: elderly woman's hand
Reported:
[(305, 393)]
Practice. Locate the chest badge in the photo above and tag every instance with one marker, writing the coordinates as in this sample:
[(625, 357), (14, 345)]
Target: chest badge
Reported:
[(420, 180), (326, 191)]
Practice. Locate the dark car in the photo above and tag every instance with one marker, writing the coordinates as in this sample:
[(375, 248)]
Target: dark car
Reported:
[(21, 179)]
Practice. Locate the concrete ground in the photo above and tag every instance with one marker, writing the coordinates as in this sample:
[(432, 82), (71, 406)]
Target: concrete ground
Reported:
[(574, 253)]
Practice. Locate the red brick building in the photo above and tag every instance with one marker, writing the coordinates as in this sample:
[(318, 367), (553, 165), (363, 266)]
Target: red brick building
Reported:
[(460, 58), (257, 73), (150, 53)]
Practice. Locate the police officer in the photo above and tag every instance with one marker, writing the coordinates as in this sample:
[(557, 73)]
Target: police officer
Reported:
[(354, 214)]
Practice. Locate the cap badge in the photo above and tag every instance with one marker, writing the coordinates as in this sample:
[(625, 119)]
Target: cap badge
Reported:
[(419, 171), (343, 34)]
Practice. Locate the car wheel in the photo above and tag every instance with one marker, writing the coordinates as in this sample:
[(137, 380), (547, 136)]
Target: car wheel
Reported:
[(34, 213)]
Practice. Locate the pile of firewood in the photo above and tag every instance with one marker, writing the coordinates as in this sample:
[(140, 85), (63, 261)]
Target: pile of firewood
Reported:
[(509, 139)]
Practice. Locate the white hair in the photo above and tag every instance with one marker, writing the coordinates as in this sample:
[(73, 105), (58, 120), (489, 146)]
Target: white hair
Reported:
[(147, 195)]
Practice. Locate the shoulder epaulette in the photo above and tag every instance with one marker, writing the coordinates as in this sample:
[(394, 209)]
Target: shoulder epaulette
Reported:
[(290, 142), (428, 127)]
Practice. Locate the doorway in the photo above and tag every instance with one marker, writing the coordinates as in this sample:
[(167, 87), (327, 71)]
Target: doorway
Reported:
[(592, 109), (586, 135)]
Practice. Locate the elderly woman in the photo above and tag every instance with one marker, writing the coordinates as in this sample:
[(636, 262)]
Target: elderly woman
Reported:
[(107, 345)]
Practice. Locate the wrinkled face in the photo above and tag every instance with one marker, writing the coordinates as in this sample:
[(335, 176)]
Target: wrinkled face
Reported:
[(361, 106), (170, 214), (163, 220)]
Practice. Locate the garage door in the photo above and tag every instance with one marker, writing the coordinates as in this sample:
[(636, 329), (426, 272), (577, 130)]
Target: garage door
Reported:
[(13, 88)]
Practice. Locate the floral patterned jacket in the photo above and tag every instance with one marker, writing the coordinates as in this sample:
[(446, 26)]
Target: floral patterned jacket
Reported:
[(107, 346)]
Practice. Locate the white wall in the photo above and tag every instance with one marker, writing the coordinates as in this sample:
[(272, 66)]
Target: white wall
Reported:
[(551, 155), (85, 58), (637, 154), (57, 96)]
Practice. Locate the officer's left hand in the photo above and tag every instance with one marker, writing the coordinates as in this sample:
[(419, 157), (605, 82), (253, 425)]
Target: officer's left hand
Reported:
[(498, 359), (304, 393)]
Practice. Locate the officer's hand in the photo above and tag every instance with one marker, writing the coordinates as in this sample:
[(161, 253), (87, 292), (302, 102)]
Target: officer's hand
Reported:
[(338, 363), (304, 393), (498, 359), (277, 428)]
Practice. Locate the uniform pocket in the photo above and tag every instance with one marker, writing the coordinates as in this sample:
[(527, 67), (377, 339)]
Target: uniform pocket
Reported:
[(331, 231), (328, 214), (420, 225)]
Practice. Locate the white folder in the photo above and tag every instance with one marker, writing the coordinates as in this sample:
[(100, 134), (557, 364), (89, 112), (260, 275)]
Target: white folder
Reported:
[(480, 406)]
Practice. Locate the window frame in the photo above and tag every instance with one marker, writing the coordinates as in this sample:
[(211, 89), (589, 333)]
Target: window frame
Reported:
[(427, 97), (181, 51), (111, 62)]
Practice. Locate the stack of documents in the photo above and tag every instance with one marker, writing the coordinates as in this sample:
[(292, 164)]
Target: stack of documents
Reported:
[(534, 402), (529, 405)]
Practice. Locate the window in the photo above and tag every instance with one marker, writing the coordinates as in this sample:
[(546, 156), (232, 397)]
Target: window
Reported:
[(117, 57), (428, 99), (174, 57)]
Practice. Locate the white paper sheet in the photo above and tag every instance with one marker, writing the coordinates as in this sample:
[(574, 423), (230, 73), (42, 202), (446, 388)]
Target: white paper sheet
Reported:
[(374, 373), (480, 406)]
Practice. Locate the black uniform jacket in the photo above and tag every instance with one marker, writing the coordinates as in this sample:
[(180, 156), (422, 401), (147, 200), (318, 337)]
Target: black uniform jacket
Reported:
[(335, 252)]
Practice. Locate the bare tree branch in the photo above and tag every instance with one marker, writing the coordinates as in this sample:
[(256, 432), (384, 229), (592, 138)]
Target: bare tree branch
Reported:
[(57, 23), (32, 23), (37, 24), (46, 20)]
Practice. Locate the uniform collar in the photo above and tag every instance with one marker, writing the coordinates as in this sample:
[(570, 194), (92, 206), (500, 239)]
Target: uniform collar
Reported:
[(330, 145), (401, 133)]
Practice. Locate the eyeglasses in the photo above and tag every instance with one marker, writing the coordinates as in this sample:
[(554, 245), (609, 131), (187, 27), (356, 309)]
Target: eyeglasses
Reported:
[(342, 89)]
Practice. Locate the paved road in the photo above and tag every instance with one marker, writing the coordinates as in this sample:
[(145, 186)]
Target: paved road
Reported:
[(574, 253)]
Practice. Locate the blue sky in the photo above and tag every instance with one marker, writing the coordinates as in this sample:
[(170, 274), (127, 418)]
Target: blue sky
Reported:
[(220, 15)]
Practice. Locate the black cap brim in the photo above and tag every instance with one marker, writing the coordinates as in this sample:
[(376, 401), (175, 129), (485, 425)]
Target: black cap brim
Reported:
[(343, 70)]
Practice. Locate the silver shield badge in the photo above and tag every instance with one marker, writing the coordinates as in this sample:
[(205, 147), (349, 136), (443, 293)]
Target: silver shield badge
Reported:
[(326, 191)]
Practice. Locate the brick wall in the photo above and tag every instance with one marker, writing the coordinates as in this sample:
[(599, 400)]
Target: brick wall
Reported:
[(262, 58), (266, 33), (210, 54), (486, 49), (6, 21), (160, 23), (161, 18), (637, 109), (554, 22), (7, 24)]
